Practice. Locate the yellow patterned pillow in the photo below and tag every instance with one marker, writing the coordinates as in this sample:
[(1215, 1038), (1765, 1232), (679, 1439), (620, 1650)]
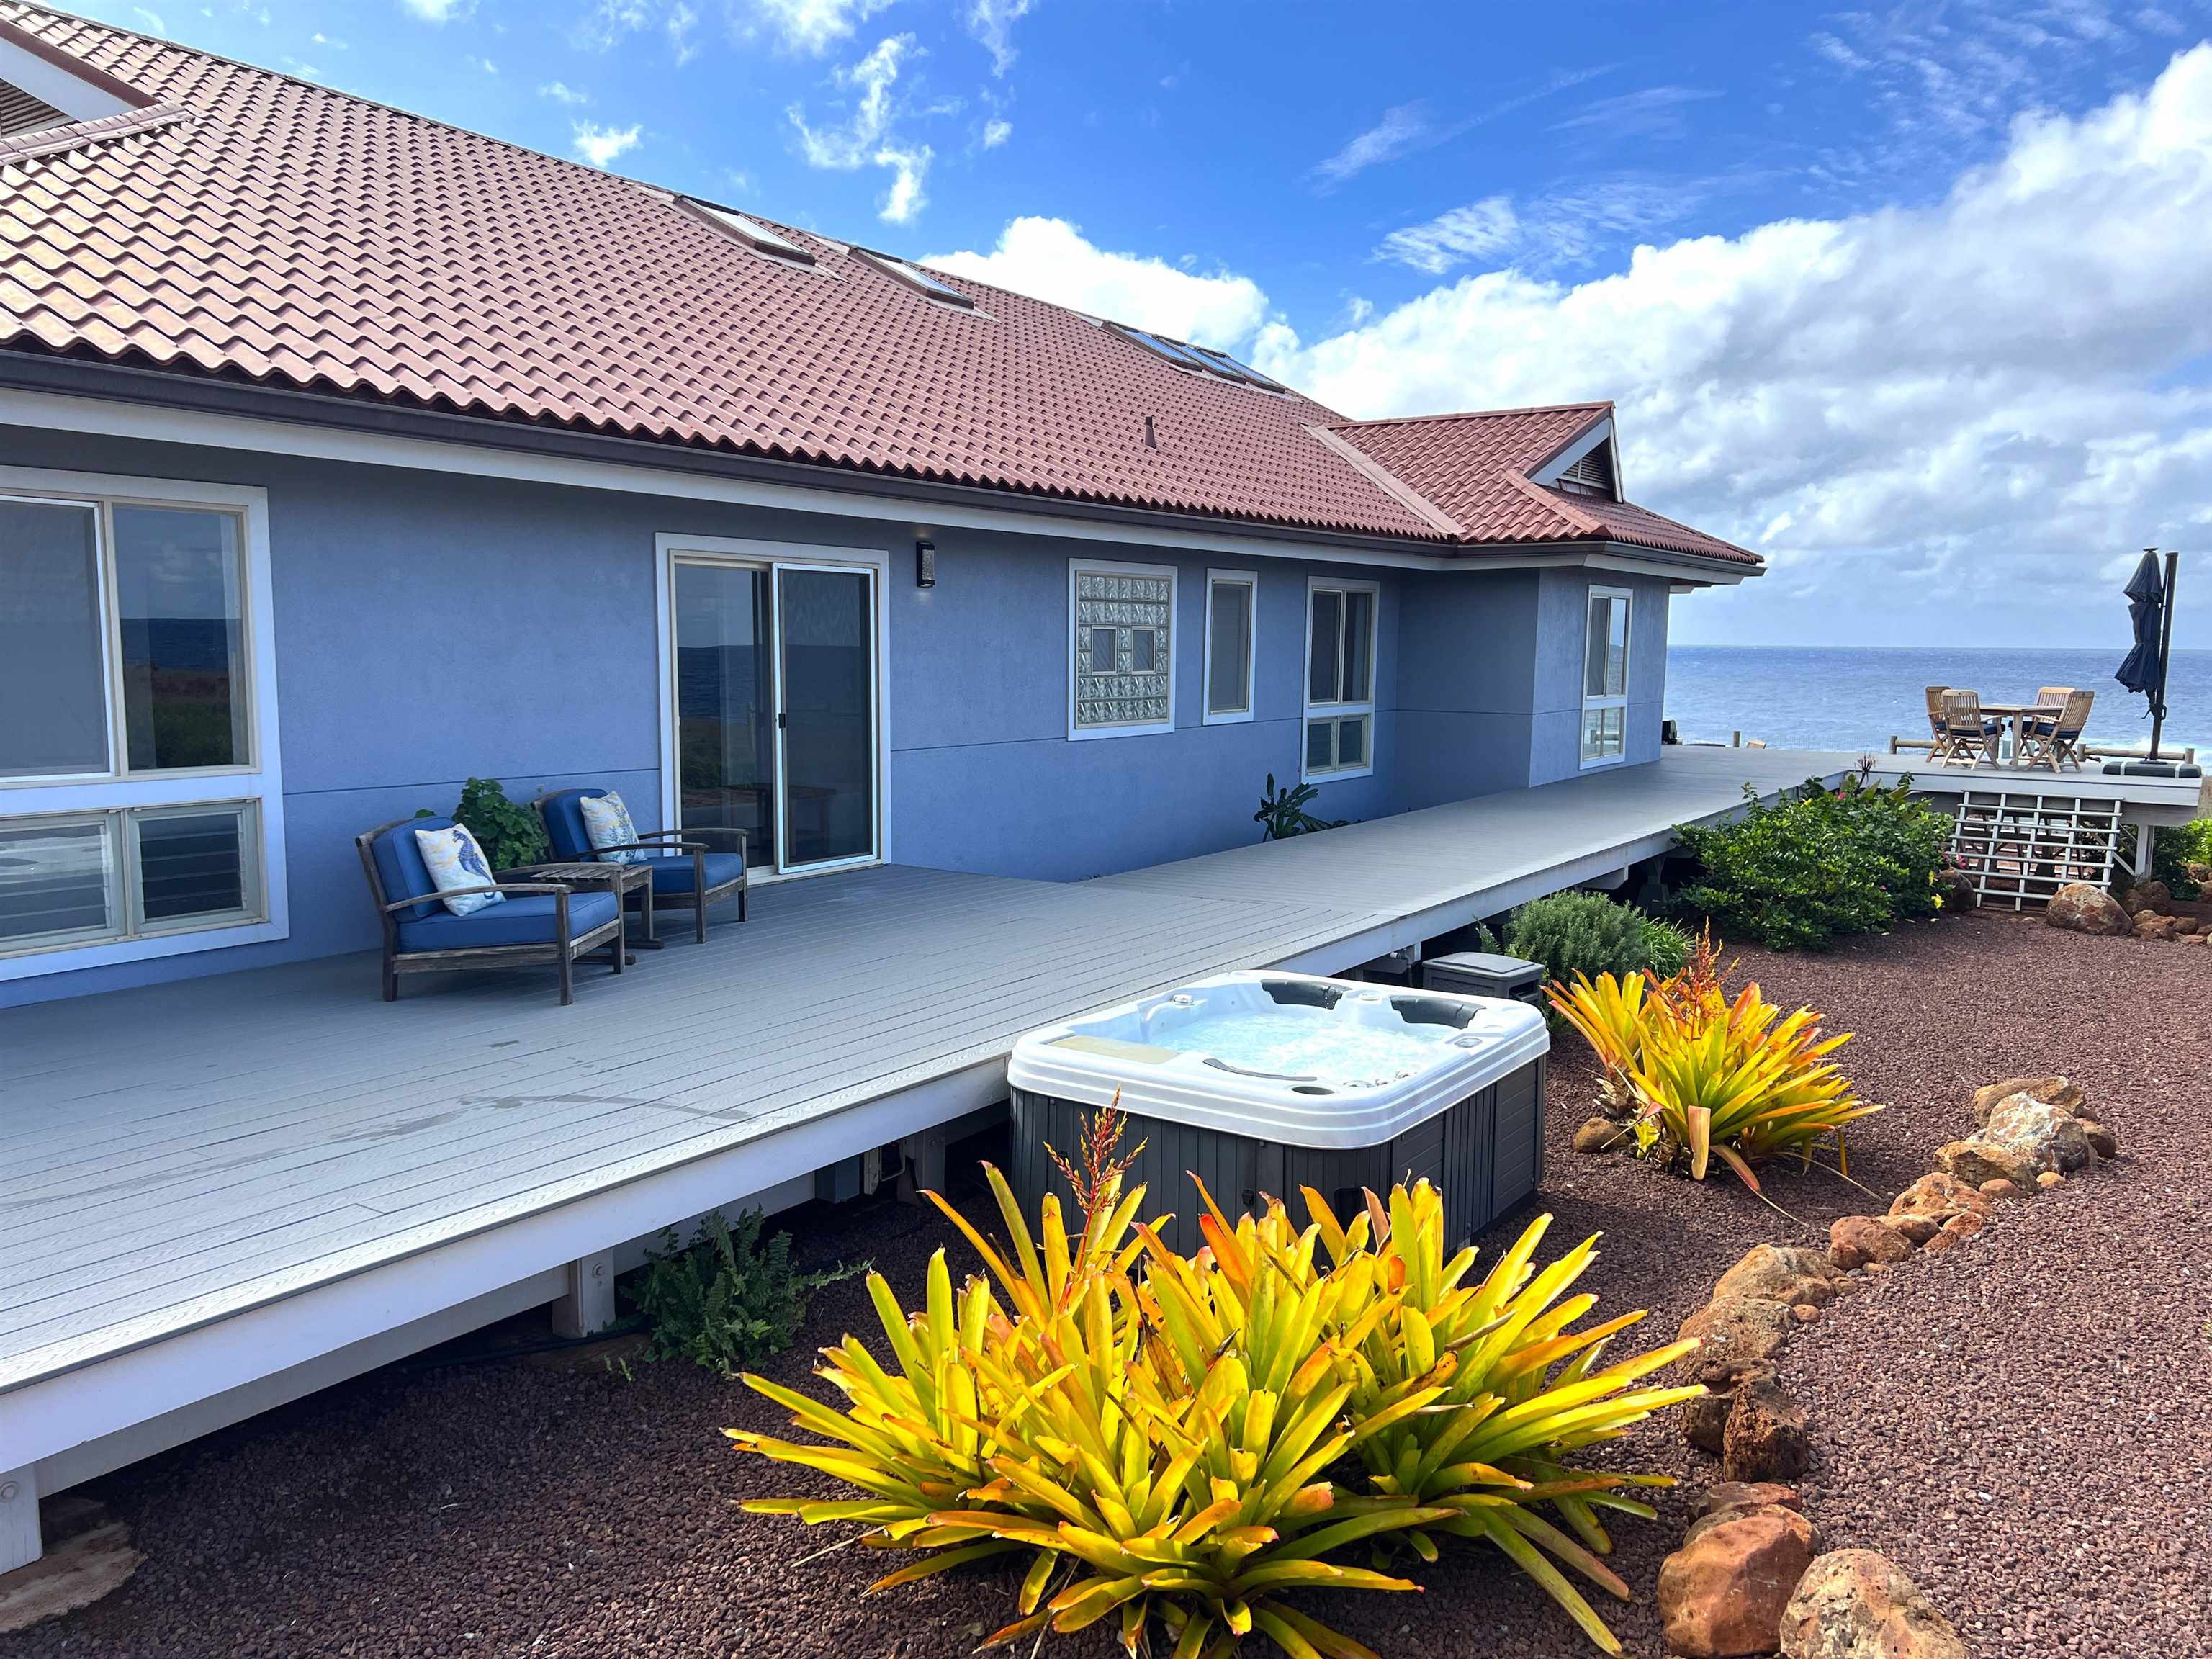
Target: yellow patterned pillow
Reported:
[(606, 823), (454, 860)]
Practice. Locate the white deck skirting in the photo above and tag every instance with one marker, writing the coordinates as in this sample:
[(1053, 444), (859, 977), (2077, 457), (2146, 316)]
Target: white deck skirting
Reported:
[(220, 1193)]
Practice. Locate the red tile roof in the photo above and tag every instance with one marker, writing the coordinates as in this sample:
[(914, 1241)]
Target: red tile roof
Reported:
[(1476, 468), (247, 223)]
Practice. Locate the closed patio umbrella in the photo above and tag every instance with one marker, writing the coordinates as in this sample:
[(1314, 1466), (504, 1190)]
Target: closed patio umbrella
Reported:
[(2151, 611)]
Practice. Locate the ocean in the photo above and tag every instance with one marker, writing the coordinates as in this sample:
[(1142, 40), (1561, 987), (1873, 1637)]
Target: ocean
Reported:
[(1854, 697)]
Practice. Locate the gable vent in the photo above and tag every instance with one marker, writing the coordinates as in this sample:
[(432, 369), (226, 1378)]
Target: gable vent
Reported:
[(1592, 475), (20, 112)]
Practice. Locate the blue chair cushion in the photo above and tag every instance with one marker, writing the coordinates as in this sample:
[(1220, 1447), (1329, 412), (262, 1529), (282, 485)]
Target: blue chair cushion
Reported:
[(673, 875), (524, 919), (400, 869), (564, 825)]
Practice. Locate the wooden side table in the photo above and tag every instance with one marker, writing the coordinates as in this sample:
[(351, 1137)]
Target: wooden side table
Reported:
[(620, 879)]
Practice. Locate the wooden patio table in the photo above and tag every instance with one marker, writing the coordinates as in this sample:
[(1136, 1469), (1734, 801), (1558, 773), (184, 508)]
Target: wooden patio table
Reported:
[(2018, 713), (620, 879)]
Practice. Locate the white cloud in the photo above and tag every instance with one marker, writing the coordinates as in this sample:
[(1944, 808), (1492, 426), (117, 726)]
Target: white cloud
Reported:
[(322, 39), (1050, 259), (1406, 128), (868, 137), (681, 21), (1477, 231), (600, 147), (996, 132), (440, 11), (809, 26), (1566, 229), (1648, 113), (561, 93), (152, 20), (1955, 411), (992, 21)]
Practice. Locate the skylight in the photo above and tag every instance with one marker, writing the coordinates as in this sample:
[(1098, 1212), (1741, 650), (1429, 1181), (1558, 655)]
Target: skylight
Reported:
[(1199, 359), (752, 234), (915, 277), (1181, 356), (1222, 363)]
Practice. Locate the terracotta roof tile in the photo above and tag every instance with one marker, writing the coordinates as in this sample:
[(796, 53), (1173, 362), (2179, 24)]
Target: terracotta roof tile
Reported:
[(250, 223), (1476, 468)]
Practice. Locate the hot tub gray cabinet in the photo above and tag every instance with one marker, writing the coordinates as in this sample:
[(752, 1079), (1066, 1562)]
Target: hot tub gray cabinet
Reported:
[(1470, 1121)]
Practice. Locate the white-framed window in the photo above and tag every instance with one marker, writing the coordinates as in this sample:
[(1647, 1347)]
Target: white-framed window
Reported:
[(1604, 676), (140, 796), (1120, 648), (1339, 728), (1232, 606)]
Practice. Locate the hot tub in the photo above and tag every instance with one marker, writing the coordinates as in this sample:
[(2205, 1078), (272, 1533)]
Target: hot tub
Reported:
[(1263, 1082)]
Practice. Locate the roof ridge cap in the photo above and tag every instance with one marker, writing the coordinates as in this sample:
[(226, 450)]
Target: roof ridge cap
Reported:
[(1605, 403), (1389, 482)]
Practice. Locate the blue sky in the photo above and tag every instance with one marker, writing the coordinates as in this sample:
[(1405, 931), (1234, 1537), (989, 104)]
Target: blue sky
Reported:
[(1914, 300)]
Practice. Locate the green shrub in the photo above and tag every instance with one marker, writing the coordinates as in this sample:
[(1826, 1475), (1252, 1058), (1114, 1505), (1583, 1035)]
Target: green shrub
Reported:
[(1821, 862), (1666, 948), (1572, 933), (725, 1299), (2174, 847), (511, 835), (1283, 812)]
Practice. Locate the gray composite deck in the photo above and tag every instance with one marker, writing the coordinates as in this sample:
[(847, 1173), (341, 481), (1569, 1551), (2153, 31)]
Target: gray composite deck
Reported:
[(174, 1155)]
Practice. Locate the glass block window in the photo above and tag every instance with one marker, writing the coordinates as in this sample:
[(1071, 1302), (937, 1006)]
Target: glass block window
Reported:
[(1123, 628)]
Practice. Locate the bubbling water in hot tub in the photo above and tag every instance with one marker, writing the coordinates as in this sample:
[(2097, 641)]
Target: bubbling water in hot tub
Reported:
[(1358, 1041)]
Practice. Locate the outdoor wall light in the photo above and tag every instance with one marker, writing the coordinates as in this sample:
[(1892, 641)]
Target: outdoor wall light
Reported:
[(925, 564)]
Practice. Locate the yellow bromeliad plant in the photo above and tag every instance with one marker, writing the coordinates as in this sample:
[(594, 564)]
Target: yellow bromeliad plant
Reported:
[(1167, 1437), (1512, 1393), (1747, 1085), (1706, 1075), (1045, 1425)]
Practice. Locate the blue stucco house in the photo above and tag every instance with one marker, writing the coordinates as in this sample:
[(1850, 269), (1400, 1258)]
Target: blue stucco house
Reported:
[(345, 455)]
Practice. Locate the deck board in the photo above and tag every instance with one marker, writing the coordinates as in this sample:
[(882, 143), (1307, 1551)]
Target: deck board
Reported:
[(174, 1155)]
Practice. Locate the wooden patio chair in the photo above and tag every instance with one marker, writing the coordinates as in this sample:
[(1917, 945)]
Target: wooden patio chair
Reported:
[(541, 921), (686, 876), (1939, 744), (1968, 734), (2056, 741)]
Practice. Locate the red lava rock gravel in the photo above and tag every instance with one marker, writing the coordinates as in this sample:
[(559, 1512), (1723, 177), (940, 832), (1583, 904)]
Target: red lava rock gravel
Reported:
[(2055, 1363)]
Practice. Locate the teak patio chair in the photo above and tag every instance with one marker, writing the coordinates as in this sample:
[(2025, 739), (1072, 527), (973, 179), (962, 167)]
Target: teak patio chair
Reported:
[(2055, 741), (541, 921), (685, 875), (1937, 747), (1968, 735)]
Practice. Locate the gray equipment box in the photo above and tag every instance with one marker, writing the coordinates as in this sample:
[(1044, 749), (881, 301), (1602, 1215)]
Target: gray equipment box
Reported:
[(1478, 974)]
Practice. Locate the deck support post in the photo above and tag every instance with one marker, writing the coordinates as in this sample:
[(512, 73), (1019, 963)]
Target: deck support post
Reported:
[(2145, 850), (922, 1163), (18, 1518), (589, 1306)]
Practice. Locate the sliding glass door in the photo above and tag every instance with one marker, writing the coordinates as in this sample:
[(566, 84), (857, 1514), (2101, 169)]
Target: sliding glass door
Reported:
[(776, 723), (825, 639)]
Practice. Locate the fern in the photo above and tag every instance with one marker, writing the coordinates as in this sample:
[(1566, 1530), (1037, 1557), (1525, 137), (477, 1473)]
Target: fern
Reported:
[(725, 1300)]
